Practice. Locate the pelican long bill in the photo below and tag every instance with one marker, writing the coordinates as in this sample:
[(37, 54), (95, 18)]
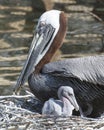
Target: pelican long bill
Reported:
[(39, 47)]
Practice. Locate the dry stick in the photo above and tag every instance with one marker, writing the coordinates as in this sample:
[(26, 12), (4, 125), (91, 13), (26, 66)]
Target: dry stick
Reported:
[(94, 15), (15, 96), (27, 125)]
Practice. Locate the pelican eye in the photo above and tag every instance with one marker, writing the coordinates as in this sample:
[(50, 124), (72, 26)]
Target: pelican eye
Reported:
[(41, 27), (43, 23)]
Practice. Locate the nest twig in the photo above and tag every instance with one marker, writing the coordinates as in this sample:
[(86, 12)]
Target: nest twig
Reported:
[(24, 112)]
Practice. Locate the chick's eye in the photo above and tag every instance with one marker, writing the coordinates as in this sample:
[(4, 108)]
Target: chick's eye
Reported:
[(70, 94)]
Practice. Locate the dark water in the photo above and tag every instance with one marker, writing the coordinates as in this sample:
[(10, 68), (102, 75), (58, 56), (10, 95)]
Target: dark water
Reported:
[(17, 21)]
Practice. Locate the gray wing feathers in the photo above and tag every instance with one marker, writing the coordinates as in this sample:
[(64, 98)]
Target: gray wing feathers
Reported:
[(90, 69)]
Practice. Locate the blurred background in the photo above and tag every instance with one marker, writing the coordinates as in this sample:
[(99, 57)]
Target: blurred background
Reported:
[(18, 18)]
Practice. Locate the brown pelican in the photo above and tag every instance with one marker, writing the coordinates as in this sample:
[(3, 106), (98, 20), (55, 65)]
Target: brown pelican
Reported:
[(64, 106), (85, 75)]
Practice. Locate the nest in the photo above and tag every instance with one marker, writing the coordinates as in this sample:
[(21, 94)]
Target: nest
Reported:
[(24, 112)]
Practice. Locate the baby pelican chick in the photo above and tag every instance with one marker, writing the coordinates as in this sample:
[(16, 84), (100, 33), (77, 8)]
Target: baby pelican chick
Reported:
[(64, 106)]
